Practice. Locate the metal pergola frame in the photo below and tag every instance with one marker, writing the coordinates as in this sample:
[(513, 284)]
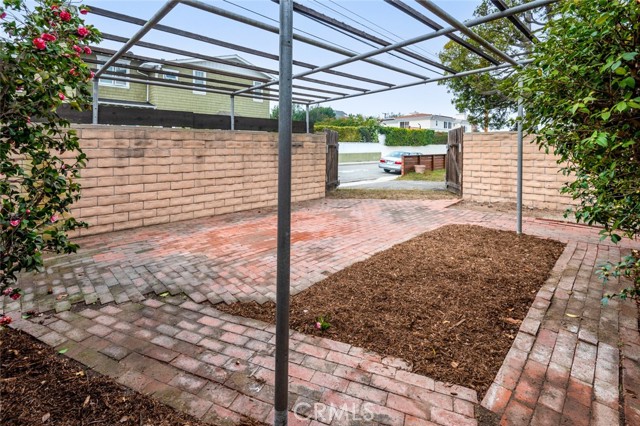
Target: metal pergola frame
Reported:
[(307, 95)]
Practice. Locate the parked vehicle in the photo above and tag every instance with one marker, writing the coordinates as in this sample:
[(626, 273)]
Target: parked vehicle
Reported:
[(392, 162)]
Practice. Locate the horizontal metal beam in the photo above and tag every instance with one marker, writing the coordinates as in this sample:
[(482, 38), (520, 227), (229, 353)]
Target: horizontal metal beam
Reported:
[(326, 46), (235, 47), (161, 13), (473, 22), (430, 80), (313, 14), (501, 5), (442, 14), (403, 7)]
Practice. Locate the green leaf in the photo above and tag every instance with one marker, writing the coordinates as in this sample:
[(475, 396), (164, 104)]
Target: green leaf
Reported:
[(63, 351), (615, 238), (602, 139), (629, 56), (605, 115), (165, 294)]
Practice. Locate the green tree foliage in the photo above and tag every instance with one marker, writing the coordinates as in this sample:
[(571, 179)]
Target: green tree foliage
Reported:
[(316, 114), (582, 99), (352, 128), (479, 95), (40, 157)]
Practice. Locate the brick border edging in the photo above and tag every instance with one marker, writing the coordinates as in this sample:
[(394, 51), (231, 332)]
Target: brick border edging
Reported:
[(630, 363), (499, 393)]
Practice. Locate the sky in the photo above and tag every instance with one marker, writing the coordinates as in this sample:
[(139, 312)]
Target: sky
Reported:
[(372, 16)]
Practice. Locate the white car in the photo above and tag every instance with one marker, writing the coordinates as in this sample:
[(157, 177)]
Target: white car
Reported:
[(392, 162)]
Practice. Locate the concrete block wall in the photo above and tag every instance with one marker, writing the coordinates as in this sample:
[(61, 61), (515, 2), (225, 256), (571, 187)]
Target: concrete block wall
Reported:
[(141, 176), (490, 171)]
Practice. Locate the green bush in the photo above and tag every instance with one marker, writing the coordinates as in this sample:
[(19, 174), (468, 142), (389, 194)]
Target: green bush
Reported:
[(408, 137), (349, 133), (441, 138)]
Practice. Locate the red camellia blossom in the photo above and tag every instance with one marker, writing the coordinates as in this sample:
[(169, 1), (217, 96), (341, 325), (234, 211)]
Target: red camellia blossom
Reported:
[(91, 75), (5, 320), (3, 15), (84, 11), (15, 296), (65, 16), (39, 43), (73, 72), (77, 48), (55, 7), (87, 50), (83, 32), (61, 96), (48, 37)]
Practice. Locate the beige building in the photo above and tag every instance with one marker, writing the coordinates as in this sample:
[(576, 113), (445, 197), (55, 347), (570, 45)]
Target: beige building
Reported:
[(439, 123)]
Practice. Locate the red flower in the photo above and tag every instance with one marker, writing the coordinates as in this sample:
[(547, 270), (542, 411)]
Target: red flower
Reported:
[(83, 32), (84, 11), (73, 72), (65, 16), (77, 48), (5, 320), (15, 296), (14, 222), (39, 43), (48, 37), (55, 7), (93, 74), (87, 50), (3, 15), (61, 96)]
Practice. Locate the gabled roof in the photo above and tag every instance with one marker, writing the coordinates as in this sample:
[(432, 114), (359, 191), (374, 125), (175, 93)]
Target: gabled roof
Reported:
[(231, 58)]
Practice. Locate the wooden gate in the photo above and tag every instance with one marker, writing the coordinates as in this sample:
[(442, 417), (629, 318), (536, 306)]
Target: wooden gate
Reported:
[(453, 166), (331, 180)]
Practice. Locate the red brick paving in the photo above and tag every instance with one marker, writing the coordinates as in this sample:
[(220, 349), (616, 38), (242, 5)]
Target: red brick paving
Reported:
[(562, 369)]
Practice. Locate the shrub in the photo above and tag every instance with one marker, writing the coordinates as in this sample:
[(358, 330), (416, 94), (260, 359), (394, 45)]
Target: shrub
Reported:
[(40, 67), (345, 133), (441, 138), (396, 136)]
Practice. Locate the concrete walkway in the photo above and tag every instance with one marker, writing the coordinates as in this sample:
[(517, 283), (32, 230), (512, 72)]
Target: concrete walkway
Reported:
[(562, 369)]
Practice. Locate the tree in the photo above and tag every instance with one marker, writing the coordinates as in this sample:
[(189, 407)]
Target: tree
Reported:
[(316, 114), (40, 157), (582, 99), (479, 95)]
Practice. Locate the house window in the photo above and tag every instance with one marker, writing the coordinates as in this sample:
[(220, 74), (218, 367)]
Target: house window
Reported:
[(115, 83), (404, 124), (198, 77), (170, 75), (259, 92), (436, 123)]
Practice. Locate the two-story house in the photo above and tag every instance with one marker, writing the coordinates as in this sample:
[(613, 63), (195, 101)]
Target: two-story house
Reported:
[(114, 91), (439, 123)]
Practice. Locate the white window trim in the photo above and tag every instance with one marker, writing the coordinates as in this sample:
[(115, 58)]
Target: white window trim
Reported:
[(199, 78), (114, 84), (172, 73), (259, 92)]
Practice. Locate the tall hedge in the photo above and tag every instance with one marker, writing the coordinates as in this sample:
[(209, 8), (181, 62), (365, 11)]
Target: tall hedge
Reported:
[(441, 138), (350, 133), (396, 136)]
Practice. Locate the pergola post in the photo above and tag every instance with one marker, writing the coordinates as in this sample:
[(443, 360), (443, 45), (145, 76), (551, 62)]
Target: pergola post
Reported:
[(232, 112), (519, 172), (281, 398), (94, 110), (307, 118)]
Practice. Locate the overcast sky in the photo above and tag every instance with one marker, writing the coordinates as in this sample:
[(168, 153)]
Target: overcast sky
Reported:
[(373, 16)]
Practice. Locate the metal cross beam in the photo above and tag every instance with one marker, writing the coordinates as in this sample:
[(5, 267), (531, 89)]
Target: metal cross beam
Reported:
[(501, 5)]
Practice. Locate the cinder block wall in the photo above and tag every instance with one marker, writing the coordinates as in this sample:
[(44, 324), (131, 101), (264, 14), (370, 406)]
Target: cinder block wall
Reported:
[(144, 176), (490, 170)]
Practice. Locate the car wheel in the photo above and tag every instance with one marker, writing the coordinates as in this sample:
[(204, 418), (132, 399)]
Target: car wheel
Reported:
[(387, 171)]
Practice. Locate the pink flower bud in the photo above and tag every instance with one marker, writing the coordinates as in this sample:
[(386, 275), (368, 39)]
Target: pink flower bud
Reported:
[(318, 326), (62, 96), (3, 15), (87, 50), (7, 291), (54, 219), (55, 7), (84, 11), (14, 222), (83, 32), (77, 48)]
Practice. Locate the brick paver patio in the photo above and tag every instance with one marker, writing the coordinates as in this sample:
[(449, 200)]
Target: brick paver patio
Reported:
[(562, 369)]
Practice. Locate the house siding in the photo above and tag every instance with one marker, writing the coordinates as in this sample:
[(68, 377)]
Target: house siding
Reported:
[(136, 92)]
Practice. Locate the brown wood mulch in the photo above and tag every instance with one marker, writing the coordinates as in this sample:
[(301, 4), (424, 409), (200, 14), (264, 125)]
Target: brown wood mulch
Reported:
[(41, 387), (450, 301)]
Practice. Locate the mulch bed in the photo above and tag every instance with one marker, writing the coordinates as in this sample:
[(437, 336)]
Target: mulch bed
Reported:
[(450, 301), (40, 387)]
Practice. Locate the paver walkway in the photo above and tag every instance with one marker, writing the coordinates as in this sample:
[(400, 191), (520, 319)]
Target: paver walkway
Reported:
[(562, 368)]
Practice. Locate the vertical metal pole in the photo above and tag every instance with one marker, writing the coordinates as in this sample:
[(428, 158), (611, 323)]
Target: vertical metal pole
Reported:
[(307, 116), (519, 177), (94, 112), (233, 112), (284, 214)]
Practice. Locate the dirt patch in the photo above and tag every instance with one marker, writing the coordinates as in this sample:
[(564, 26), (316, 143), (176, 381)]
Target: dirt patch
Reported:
[(511, 208), (40, 387), (390, 194), (450, 301)]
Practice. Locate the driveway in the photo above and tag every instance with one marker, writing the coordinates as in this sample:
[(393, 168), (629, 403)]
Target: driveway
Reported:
[(164, 337), (370, 176)]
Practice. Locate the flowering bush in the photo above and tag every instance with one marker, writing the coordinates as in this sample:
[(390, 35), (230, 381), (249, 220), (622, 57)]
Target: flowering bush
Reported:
[(321, 324), (40, 156)]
